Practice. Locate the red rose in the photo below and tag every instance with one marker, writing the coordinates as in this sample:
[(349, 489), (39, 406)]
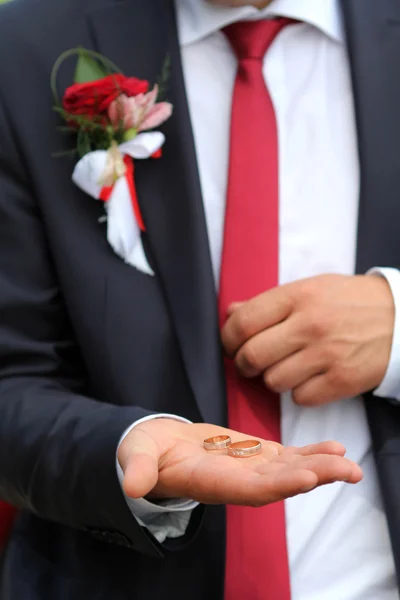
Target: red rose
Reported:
[(95, 97)]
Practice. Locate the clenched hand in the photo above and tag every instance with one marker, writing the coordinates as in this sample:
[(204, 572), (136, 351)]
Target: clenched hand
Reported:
[(325, 338)]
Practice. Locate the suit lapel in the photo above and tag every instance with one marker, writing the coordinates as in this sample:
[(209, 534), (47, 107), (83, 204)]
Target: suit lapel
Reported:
[(373, 32), (138, 35)]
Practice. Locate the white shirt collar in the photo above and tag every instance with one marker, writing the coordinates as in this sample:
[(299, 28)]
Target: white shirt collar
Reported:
[(197, 18)]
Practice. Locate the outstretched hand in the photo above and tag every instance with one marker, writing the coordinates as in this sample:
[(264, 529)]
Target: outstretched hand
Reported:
[(166, 458)]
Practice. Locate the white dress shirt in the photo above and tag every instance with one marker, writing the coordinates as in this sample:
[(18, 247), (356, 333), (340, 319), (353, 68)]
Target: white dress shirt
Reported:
[(338, 540)]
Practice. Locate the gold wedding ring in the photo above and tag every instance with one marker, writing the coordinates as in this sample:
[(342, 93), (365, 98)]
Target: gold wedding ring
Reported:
[(219, 442), (244, 449)]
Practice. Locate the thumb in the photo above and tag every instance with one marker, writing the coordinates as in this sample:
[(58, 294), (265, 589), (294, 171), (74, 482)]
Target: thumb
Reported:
[(139, 462)]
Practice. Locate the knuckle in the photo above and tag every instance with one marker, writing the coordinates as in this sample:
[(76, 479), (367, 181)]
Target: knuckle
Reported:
[(334, 377), (309, 289), (243, 324), (328, 355), (297, 397), (288, 301), (272, 381), (313, 289), (303, 398), (318, 324), (249, 358), (340, 378)]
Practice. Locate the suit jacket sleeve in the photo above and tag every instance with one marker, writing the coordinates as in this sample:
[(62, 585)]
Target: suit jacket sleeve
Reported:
[(57, 445)]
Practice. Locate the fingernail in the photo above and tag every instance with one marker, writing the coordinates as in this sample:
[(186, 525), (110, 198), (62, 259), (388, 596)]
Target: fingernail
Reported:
[(308, 488)]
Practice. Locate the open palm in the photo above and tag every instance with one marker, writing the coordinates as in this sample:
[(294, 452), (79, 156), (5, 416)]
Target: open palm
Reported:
[(166, 458)]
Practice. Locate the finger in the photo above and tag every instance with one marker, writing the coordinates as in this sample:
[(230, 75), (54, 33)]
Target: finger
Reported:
[(302, 475), (309, 473), (268, 348), (288, 483), (317, 391), (254, 316), (329, 447), (332, 468), (141, 465), (222, 480), (293, 370)]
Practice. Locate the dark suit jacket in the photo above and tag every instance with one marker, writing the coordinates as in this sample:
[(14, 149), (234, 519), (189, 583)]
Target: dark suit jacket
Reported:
[(88, 344)]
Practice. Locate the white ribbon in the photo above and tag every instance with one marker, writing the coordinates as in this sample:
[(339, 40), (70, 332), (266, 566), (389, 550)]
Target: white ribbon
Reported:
[(123, 232)]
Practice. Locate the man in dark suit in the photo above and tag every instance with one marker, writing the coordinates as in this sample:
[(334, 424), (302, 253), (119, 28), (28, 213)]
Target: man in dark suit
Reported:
[(97, 357)]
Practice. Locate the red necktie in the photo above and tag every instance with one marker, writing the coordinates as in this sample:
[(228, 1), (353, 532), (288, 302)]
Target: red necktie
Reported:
[(257, 563)]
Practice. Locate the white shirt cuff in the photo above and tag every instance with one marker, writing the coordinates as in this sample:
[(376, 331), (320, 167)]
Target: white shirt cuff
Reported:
[(168, 518), (390, 386)]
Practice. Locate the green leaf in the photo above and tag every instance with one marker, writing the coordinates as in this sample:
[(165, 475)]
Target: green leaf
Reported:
[(88, 69), (83, 143)]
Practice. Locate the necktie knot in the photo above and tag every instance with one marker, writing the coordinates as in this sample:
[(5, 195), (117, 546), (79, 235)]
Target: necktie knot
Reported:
[(252, 39)]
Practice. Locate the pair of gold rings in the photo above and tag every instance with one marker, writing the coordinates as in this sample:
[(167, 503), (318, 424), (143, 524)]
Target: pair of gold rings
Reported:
[(243, 449)]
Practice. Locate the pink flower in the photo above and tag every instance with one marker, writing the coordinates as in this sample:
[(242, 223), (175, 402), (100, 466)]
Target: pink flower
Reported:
[(140, 112)]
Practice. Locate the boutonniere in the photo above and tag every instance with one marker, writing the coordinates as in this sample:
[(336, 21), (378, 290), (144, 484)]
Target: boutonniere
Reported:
[(114, 119)]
